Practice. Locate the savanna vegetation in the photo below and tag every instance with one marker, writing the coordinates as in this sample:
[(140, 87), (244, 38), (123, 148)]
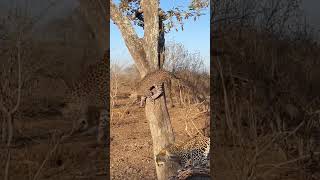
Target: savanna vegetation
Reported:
[(266, 91)]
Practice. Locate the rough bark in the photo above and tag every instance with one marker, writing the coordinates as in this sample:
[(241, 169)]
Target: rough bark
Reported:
[(161, 44), (145, 53), (157, 112), (162, 134), (132, 41), (151, 31)]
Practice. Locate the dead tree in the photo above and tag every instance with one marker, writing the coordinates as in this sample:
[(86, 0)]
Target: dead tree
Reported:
[(157, 113)]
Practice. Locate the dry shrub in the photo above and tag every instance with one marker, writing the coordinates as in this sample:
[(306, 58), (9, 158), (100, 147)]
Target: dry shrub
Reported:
[(191, 69), (266, 117), (117, 80)]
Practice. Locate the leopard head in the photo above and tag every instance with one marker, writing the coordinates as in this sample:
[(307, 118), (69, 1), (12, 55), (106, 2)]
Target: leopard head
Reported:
[(167, 154), (161, 157)]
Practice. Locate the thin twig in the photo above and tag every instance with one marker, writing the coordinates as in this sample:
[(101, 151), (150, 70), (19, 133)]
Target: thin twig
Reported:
[(19, 76), (6, 173)]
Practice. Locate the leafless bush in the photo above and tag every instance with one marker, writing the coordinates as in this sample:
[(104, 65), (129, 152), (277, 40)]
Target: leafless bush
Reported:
[(19, 66), (178, 58), (191, 114), (190, 66), (17, 74), (10, 98), (115, 78)]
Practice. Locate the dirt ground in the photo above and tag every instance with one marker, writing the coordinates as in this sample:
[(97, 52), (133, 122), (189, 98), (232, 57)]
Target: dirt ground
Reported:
[(131, 155), (40, 150)]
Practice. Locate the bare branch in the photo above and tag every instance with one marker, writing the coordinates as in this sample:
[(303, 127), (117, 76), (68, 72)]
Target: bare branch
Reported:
[(133, 42), (19, 76), (6, 174)]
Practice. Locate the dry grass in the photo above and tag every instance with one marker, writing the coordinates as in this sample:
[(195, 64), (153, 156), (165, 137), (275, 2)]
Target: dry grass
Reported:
[(265, 113)]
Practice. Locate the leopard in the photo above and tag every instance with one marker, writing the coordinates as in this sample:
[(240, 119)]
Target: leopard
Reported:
[(90, 91), (193, 152), (151, 86)]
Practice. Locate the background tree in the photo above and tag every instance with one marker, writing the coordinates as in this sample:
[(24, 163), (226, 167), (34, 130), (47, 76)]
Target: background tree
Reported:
[(148, 54), (17, 72)]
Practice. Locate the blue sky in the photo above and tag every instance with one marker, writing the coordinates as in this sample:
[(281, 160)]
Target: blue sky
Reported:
[(195, 37)]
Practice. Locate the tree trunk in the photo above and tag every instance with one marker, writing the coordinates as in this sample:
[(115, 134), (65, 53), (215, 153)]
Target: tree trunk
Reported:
[(161, 132), (147, 57), (157, 112), (131, 39), (161, 43)]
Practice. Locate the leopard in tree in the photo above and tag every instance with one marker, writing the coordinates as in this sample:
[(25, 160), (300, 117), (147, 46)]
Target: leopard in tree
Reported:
[(193, 152), (151, 86), (91, 90)]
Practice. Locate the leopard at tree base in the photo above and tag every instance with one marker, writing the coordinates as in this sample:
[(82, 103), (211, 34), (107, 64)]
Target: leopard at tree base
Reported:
[(91, 90), (193, 152)]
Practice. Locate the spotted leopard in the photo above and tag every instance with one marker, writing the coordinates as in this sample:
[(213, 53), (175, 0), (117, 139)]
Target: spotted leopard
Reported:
[(91, 90), (193, 152), (151, 86)]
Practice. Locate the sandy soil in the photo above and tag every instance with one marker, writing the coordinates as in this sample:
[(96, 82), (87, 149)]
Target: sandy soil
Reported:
[(38, 150), (131, 145)]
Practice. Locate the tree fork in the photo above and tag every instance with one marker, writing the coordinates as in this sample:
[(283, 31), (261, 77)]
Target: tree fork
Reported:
[(157, 112), (145, 53)]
